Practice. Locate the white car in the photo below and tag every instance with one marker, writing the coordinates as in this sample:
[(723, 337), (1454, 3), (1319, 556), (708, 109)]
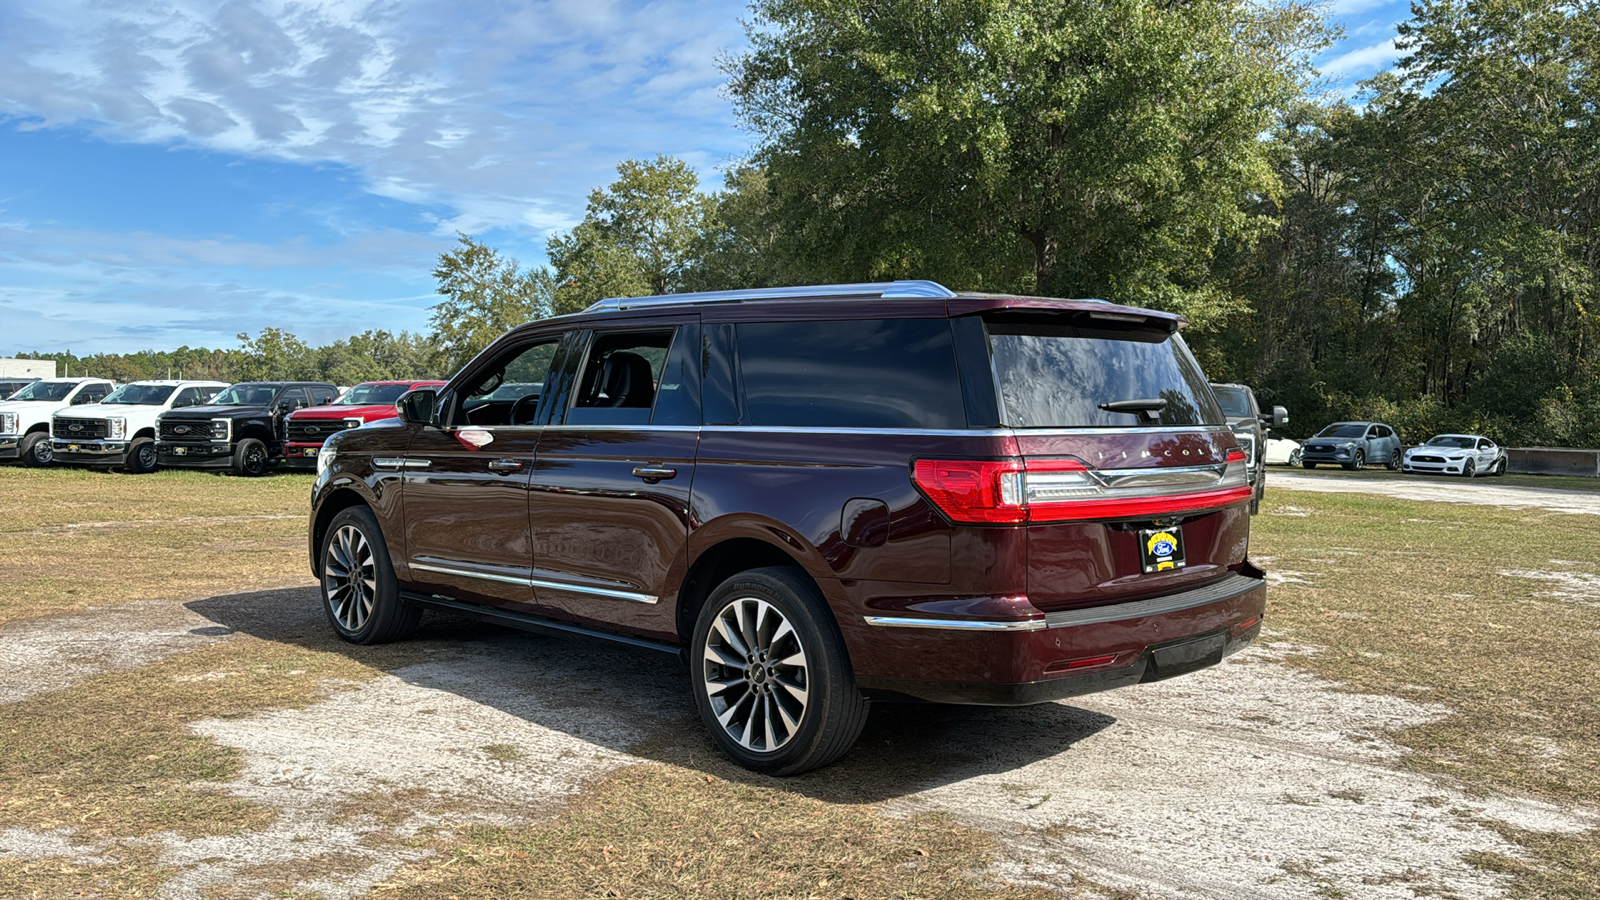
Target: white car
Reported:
[(1283, 452), (25, 417), (121, 429), (1456, 454)]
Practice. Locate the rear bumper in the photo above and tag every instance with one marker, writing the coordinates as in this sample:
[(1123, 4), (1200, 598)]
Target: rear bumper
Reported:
[(90, 452), (1056, 655)]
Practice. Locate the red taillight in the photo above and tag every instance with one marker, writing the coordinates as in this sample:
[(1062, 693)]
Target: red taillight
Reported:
[(1017, 492), (978, 491)]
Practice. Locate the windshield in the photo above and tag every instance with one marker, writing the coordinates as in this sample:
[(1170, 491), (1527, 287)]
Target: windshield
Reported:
[(372, 395), (1234, 401), (1344, 430), (141, 394), (1453, 440), (1055, 375), (46, 390), (246, 395)]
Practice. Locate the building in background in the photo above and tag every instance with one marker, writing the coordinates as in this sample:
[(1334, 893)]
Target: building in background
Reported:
[(27, 368)]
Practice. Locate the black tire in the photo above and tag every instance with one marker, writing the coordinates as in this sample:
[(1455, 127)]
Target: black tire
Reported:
[(1304, 464), (1499, 468), (1394, 461), (820, 690), (141, 458), (1360, 461), (35, 450), (359, 593), (1469, 469), (250, 458)]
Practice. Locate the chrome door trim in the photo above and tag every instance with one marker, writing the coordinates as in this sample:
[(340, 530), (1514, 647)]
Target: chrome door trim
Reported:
[(467, 573), (537, 583)]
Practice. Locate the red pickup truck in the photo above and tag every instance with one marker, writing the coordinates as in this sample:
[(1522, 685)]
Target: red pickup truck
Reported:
[(306, 429)]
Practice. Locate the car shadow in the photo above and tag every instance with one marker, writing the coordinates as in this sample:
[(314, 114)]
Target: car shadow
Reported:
[(637, 701)]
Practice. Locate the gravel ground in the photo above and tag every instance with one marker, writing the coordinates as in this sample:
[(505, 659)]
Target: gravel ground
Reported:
[(1480, 491), (1249, 780)]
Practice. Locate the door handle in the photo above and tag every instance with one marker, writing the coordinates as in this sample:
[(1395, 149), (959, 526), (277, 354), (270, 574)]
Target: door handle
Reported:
[(505, 465), (653, 474)]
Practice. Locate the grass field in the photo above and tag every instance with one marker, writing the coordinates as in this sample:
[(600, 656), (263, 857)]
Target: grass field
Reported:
[(1492, 613)]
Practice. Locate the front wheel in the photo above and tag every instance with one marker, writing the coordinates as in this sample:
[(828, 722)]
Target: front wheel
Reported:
[(359, 591), (1359, 462), (35, 450), (141, 458), (771, 678), (250, 458)]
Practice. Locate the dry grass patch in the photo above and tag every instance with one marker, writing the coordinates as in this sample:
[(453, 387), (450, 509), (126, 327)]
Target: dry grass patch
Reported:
[(656, 831), (134, 875), (114, 756), (79, 499), (1411, 599)]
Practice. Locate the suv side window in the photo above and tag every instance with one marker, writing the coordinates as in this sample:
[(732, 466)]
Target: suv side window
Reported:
[(620, 376), (509, 391), (860, 373)]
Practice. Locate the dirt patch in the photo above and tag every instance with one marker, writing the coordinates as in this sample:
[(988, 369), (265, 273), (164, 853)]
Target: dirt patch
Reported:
[(1457, 490)]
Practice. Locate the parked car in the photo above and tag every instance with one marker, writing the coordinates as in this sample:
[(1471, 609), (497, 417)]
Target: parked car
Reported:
[(25, 416), (9, 386), (1353, 445), (306, 429), (1250, 426), (241, 430), (1282, 452), (1457, 454), (817, 496), (121, 429)]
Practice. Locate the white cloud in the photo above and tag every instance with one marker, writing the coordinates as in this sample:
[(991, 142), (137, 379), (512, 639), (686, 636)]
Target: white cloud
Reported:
[(1363, 61), (477, 107)]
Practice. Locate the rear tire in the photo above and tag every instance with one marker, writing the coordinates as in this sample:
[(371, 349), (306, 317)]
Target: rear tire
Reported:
[(770, 674), (1294, 458), (359, 592), (1500, 468), (35, 450), (1394, 461), (1469, 469), (250, 458), (141, 458)]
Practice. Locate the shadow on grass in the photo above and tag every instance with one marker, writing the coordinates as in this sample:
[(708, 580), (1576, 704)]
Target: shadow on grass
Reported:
[(637, 701)]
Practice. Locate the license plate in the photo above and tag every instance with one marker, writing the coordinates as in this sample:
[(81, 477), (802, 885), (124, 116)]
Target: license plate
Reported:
[(308, 451), (1161, 549), (180, 451)]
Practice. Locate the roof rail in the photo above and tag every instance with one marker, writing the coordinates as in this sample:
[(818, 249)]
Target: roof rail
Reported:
[(888, 290)]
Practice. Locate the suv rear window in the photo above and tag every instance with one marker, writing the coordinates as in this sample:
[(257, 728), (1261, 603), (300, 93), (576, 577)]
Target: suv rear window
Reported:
[(1059, 375), (859, 373)]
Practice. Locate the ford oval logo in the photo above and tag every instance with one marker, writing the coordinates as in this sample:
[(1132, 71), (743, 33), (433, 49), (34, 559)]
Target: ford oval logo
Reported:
[(181, 429), (74, 427), (311, 430)]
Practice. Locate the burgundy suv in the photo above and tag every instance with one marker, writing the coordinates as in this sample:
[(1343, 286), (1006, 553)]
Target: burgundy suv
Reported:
[(820, 497)]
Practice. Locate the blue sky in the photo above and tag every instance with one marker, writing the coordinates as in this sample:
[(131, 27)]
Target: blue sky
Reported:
[(175, 173)]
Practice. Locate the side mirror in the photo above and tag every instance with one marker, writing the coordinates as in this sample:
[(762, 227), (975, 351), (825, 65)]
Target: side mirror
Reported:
[(418, 407), (1278, 419)]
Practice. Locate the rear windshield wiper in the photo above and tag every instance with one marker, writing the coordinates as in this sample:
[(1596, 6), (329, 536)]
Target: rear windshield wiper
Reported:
[(1147, 409)]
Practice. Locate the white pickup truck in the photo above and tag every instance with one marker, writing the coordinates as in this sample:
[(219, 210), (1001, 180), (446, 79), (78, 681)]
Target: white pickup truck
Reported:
[(25, 418), (121, 429)]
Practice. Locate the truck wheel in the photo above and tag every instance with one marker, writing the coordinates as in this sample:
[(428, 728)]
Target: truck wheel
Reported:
[(250, 458), (35, 450), (359, 591), (141, 458), (770, 674)]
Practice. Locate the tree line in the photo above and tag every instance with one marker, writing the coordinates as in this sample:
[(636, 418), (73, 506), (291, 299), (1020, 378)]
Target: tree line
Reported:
[(1424, 253)]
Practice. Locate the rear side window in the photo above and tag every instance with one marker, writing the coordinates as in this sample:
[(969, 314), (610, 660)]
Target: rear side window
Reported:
[(859, 373), (1081, 375)]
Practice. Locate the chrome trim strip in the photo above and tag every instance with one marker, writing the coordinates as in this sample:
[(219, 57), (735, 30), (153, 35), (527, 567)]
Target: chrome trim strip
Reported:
[(538, 583), (596, 591), (654, 428), (387, 462), (1010, 625), (1227, 589), (963, 432), (486, 576), (884, 289)]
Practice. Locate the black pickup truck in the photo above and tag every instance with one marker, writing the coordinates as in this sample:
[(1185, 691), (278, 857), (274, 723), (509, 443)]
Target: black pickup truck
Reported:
[(1250, 425), (241, 430)]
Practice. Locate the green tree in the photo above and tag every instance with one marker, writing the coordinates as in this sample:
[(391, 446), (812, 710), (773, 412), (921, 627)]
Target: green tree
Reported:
[(641, 235), (1069, 149), (379, 355), (274, 355), (486, 294)]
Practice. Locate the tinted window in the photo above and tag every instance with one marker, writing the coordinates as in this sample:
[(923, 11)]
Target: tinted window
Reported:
[(1070, 376), (246, 395), (373, 394), (293, 399), (45, 390), (861, 373), (1344, 430), (1234, 401), (618, 383), (141, 394)]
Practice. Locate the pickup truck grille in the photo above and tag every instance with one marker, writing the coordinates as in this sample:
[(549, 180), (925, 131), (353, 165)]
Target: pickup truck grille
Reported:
[(315, 431), (68, 429), (191, 430)]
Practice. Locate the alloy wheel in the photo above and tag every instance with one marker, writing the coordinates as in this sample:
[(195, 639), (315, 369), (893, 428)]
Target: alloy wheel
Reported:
[(350, 578), (755, 673)]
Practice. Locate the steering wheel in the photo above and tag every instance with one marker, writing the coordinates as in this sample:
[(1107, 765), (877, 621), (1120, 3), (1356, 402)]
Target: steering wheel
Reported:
[(525, 406)]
